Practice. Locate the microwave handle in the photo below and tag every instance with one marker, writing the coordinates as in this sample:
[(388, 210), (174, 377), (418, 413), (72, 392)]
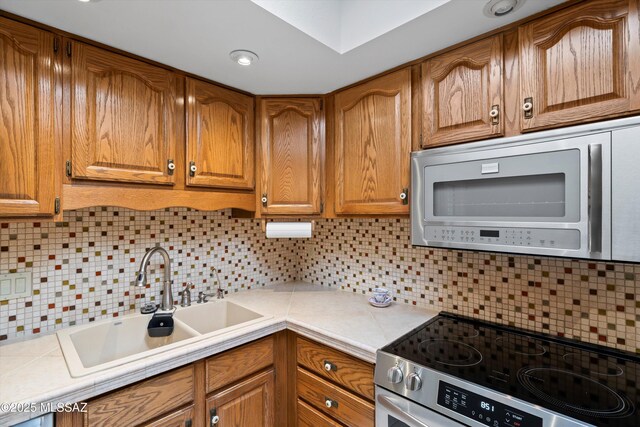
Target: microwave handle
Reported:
[(595, 198)]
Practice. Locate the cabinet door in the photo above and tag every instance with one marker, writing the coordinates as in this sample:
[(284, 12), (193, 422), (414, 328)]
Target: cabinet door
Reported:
[(27, 160), (249, 403), (291, 144), (219, 137), (123, 118), (372, 146), (462, 94), (579, 64)]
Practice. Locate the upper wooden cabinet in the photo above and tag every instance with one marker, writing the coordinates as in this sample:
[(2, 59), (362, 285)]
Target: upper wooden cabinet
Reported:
[(291, 144), (580, 64), (372, 146), (123, 118), (27, 133), (462, 94), (219, 137)]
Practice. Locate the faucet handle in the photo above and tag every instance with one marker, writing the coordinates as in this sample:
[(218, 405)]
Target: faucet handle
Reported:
[(185, 301)]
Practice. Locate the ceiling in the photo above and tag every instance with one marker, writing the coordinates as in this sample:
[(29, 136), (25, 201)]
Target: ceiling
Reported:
[(328, 45)]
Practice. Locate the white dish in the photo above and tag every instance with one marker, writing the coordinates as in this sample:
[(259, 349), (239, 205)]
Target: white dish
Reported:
[(386, 303)]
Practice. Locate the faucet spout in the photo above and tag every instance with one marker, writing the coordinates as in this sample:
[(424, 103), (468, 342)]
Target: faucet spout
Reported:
[(141, 276)]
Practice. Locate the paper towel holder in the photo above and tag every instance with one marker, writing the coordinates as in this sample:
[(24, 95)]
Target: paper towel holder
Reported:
[(263, 225)]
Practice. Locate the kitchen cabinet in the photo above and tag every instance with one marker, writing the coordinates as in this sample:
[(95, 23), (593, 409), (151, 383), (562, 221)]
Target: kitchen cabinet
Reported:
[(28, 133), (123, 118), (462, 94), (332, 387), (372, 143), (291, 147), (249, 403), (580, 64), (220, 137)]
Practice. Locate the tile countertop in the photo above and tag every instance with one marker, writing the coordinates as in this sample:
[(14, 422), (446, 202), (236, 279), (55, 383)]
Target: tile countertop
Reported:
[(34, 371)]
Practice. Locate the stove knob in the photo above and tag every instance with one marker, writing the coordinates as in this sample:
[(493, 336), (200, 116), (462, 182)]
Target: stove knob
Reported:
[(413, 382), (395, 375)]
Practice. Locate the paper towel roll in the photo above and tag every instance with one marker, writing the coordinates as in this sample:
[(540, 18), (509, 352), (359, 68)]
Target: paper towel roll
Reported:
[(283, 230)]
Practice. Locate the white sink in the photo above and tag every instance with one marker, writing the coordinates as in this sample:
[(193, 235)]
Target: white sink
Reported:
[(216, 316), (105, 344)]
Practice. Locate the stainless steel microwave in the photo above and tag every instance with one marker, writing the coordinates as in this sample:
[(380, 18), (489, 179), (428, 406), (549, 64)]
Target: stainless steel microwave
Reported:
[(572, 192)]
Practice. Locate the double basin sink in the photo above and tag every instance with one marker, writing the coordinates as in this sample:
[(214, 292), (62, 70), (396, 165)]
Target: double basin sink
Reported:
[(105, 344)]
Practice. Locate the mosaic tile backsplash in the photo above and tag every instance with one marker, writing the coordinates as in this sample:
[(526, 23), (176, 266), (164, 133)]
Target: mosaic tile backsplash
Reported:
[(590, 301), (83, 267), (82, 271)]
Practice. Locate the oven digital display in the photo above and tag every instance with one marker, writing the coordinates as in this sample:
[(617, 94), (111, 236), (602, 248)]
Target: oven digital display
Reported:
[(490, 233), (483, 410)]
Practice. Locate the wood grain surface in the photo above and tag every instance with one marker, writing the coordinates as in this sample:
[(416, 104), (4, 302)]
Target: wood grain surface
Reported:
[(27, 133), (220, 129), (459, 89), (350, 410), (372, 145), (249, 403), (349, 372), (142, 402), (291, 145), (238, 363), (179, 418), (576, 65), (123, 117), (308, 416)]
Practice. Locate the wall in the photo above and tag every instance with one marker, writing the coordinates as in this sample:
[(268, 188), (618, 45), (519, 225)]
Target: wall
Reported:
[(82, 270), (590, 301), (83, 267)]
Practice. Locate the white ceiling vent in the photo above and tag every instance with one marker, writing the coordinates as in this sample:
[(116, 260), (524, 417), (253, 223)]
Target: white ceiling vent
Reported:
[(498, 8)]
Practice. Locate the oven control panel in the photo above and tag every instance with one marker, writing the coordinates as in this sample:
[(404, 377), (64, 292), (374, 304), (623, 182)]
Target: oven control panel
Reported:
[(531, 237), (483, 410)]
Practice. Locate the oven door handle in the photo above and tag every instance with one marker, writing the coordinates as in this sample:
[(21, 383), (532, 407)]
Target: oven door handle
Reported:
[(397, 412)]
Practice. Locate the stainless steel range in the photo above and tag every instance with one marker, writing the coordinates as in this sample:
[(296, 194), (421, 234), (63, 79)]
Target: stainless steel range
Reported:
[(455, 371)]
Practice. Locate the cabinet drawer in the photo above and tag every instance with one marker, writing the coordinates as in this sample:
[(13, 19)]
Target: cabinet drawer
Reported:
[(233, 365), (181, 418), (144, 401), (354, 374), (310, 417), (345, 407)]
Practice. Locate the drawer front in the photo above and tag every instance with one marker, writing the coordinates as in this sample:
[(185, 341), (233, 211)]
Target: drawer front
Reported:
[(142, 402), (233, 365), (182, 418), (334, 401), (351, 373), (308, 416)]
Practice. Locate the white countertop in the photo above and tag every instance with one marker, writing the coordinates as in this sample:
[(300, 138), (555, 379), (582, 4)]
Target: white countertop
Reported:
[(34, 371)]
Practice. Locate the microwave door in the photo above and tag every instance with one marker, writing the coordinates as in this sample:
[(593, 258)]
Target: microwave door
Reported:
[(541, 198)]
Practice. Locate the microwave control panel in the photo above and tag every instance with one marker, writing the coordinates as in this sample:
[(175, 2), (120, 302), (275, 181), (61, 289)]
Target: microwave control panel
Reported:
[(502, 236)]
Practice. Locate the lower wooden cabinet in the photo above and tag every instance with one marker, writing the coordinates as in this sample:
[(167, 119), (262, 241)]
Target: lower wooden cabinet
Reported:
[(280, 380), (249, 403)]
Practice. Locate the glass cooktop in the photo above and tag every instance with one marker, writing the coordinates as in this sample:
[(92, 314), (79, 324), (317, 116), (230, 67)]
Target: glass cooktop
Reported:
[(589, 383)]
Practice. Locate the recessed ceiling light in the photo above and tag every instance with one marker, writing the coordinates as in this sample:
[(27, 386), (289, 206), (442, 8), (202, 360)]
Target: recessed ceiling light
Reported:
[(243, 57), (498, 8)]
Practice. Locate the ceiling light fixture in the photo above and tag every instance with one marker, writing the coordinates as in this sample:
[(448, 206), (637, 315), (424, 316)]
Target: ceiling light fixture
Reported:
[(499, 8), (243, 57)]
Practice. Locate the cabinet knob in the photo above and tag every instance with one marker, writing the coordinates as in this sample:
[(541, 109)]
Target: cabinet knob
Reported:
[(192, 168), (215, 420), (330, 403), (171, 166), (404, 196), (494, 113), (264, 199), (328, 366), (527, 106)]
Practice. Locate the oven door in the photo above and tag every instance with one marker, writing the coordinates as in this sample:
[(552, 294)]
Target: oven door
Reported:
[(396, 411), (548, 198)]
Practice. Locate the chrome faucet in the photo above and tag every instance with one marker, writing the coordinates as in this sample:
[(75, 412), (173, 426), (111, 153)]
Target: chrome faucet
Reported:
[(141, 276), (219, 291)]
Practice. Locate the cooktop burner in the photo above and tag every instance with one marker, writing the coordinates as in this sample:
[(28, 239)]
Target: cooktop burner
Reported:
[(589, 383)]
